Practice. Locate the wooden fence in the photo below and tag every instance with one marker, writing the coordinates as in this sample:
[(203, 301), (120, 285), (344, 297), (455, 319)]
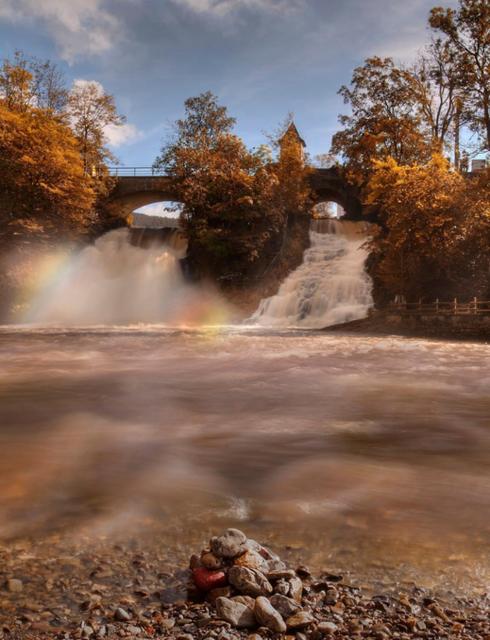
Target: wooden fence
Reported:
[(454, 307)]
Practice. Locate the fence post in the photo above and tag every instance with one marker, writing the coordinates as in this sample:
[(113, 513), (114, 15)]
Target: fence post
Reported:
[(475, 302), (437, 305), (455, 305)]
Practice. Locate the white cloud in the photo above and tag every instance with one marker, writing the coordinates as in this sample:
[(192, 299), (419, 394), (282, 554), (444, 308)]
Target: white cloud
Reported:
[(80, 83), (78, 27), (116, 135), (119, 135), (220, 8)]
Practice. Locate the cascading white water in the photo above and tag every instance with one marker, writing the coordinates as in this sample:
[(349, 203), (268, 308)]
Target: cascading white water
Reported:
[(115, 282), (330, 287)]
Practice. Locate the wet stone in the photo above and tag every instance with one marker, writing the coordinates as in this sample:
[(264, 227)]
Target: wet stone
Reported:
[(210, 561), (248, 601), (207, 579), (249, 581), (122, 615), (327, 627), (284, 574), (303, 571), (268, 616), (296, 589), (214, 594), (230, 544), (286, 606), (132, 629), (252, 560), (282, 587), (236, 613), (14, 585), (300, 620)]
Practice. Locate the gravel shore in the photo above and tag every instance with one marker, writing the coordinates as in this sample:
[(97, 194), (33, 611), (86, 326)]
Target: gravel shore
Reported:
[(132, 591)]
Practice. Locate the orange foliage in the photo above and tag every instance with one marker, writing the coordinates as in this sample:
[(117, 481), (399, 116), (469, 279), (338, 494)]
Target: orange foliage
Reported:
[(42, 179), (436, 230)]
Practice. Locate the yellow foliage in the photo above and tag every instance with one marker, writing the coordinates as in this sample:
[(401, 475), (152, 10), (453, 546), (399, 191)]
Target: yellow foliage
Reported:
[(42, 173), (432, 220)]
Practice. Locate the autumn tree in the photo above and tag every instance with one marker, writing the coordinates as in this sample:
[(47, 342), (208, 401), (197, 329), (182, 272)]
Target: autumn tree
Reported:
[(16, 84), (48, 86), (233, 212), (438, 95), (467, 30), (29, 82), (91, 110), (218, 180), (385, 120), (474, 264), (43, 187), (45, 184), (434, 225)]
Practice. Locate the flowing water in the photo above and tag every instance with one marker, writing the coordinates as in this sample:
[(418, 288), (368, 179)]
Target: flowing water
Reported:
[(365, 451), (331, 285), (361, 454), (115, 282)]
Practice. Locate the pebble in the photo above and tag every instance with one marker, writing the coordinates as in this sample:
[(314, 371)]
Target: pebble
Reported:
[(338, 611), (252, 560), (296, 589), (268, 616), (285, 574), (224, 592), (249, 581), (236, 613), (167, 623), (210, 561), (15, 585), (303, 571), (300, 620), (282, 587), (286, 606), (122, 615), (230, 544), (248, 601), (206, 579)]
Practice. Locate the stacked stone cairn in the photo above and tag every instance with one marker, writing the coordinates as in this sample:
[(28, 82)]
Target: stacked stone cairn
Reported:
[(249, 585)]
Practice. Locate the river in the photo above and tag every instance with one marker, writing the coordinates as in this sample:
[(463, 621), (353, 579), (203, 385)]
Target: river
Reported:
[(369, 454)]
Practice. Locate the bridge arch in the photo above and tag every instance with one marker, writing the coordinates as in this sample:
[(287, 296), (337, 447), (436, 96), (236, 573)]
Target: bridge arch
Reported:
[(328, 185), (134, 191)]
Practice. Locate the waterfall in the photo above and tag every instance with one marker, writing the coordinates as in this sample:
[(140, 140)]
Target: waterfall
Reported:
[(331, 286), (115, 282)]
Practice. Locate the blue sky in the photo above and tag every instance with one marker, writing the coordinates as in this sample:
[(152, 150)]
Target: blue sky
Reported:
[(263, 58)]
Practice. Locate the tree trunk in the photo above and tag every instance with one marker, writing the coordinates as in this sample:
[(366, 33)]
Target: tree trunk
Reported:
[(457, 125)]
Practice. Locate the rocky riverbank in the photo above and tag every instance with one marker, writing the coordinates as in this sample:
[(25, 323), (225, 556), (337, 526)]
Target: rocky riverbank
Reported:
[(235, 588)]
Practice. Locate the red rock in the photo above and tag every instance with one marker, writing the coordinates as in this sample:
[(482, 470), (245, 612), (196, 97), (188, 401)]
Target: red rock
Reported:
[(205, 579)]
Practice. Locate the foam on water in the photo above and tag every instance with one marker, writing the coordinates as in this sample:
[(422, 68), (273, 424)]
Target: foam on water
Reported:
[(114, 282), (330, 287)]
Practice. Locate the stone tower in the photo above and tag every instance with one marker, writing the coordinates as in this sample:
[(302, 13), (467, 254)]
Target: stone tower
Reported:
[(292, 141)]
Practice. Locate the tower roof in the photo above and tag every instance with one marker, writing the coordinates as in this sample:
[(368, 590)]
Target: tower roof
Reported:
[(292, 130)]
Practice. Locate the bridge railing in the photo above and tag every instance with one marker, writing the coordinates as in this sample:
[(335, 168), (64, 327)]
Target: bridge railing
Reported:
[(439, 307), (135, 172)]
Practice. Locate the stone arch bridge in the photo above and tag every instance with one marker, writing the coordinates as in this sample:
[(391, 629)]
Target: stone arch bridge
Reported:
[(136, 187)]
